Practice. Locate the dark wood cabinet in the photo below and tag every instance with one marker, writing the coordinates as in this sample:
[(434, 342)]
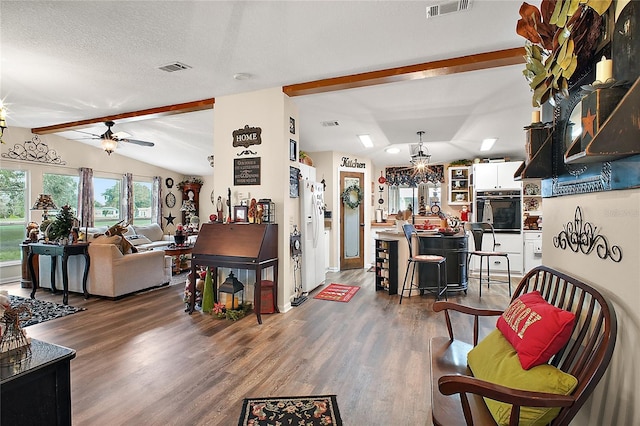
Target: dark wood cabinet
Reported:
[(190, 191), (387, 265), (37, 391), (454, 249)]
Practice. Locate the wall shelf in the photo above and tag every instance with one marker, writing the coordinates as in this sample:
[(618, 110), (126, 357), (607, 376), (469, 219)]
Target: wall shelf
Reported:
[(617, 138)]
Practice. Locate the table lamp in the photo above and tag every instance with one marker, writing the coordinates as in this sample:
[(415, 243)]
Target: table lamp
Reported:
[(44, 203)]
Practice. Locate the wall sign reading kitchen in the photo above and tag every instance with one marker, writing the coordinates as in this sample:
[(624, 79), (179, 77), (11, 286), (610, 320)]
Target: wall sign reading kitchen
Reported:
[(246, 171), (348, 162)]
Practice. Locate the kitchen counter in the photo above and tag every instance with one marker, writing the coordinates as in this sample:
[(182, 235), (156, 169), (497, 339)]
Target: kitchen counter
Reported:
[(454, 248)]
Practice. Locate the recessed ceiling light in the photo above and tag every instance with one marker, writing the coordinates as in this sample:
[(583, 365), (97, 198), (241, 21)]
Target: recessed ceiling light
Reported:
[(487, 144), (242, 76), (366, 141), (392, 150)]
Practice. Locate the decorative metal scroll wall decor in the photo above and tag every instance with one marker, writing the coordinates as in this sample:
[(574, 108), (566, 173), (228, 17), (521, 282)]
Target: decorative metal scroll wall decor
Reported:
[(584, 237), (407, 176), (34, 150)]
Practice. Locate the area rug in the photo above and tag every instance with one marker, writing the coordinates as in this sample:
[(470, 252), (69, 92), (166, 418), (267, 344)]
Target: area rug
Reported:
[(319, 410), (337, 292), (41, 310)]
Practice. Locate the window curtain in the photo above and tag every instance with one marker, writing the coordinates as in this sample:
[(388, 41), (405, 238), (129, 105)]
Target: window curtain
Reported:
[(85, 197), (156, 201), (127, 197)]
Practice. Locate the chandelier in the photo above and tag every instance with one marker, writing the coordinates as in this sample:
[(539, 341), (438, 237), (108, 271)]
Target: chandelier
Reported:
[(419, 172), (420, 160)]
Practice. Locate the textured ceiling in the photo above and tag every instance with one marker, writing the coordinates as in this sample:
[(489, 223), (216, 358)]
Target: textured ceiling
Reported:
[(68, 61)]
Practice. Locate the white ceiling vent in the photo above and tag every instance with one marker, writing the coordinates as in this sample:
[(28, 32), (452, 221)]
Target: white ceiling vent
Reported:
[(329, 123), (174, 66), (446, 7)]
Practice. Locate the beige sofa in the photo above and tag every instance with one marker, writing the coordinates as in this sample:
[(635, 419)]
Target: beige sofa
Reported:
[(147, 237), (111, 273)]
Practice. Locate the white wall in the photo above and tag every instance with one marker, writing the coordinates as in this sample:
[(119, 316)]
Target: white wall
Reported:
[(270, 110), (74, 155), (616, 214)]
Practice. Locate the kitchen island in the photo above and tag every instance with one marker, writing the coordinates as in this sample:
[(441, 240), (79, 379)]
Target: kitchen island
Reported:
[(454, 248)]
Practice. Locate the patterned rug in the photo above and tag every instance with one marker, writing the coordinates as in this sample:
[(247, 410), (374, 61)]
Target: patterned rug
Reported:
[(297, 410), (41, 310), (337, 292)]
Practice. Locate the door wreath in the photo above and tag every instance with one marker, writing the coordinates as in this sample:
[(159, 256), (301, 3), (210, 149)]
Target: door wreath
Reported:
[(352, 196)]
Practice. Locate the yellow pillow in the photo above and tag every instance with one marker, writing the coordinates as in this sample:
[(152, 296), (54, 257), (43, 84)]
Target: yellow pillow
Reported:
[(495, 361)]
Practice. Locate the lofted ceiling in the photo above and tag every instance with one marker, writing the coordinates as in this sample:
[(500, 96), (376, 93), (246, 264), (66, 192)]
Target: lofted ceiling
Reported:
[(67, 61)]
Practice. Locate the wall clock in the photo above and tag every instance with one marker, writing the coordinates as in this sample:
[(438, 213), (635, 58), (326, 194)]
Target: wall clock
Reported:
[(170, 200), (168, 182)]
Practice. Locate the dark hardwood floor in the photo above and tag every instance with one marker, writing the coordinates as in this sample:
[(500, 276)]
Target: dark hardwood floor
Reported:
[(143, 360)]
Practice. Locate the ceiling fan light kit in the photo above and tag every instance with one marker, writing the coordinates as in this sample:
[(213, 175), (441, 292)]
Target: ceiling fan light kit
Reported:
[(109, 140)]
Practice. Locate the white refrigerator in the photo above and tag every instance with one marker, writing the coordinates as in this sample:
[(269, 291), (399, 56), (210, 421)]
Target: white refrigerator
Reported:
[(313, 267)]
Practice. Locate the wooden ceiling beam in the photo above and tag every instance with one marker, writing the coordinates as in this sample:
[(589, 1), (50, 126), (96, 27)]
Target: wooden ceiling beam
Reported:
[(499, 58), (144, 114)]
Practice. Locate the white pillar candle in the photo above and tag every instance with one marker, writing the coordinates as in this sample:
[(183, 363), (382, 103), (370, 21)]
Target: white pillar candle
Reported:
[(604, 70), (535, 116)]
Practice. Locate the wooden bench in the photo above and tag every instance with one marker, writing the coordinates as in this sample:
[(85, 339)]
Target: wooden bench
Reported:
[(457, 396)]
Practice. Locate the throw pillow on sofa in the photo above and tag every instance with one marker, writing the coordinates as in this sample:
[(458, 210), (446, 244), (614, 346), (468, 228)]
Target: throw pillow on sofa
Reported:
[(153, 232), (536, 329), (495, 361), (116, 240)]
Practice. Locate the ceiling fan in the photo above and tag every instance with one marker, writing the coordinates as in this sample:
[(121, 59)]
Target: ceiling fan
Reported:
[(109, 140)]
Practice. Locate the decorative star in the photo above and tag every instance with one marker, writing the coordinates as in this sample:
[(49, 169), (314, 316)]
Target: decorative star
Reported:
[(169, 219), (588, 124)]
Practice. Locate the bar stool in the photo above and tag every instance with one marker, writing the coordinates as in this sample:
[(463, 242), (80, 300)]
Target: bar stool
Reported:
[(478, 231), (440, 261)]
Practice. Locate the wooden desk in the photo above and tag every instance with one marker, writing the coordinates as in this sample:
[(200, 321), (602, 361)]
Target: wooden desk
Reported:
[(63, 251), (237, 246), (37, 391)]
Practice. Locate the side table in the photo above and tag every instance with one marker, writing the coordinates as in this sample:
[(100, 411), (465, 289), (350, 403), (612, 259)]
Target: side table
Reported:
[(63, 251), (176, 252)]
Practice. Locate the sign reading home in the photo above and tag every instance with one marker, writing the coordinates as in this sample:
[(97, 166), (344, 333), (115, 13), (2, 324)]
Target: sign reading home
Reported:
[(247, 136), (348, 162), (246, 171)]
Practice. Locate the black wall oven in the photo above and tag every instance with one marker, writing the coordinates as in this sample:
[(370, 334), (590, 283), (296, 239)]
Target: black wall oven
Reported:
[(502, 209)]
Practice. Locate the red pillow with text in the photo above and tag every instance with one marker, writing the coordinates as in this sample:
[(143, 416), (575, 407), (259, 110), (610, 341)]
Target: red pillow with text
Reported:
[(536, 329)]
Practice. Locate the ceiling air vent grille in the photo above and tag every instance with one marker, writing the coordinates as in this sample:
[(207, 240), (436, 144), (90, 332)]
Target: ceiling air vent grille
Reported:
[(330, 123), (175, 66), (448, 7)]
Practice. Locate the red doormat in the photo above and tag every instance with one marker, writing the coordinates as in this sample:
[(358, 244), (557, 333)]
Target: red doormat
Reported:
[(338, 292)]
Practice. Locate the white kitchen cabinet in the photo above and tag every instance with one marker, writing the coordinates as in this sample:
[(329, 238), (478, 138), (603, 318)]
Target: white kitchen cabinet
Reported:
[(506, 242), (487, 176), (459, 186)]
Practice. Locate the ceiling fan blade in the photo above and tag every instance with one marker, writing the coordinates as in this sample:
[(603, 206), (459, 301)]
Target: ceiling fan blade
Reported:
[(137, 142), (121, 135), (95, 136)]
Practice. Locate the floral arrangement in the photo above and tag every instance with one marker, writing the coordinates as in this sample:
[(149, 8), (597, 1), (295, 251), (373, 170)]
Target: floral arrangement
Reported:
[(561, 36), (222, 312), (190, 180)]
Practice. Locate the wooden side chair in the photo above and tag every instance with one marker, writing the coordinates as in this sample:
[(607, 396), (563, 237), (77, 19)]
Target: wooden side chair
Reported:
[(479, 230), (439, 261)]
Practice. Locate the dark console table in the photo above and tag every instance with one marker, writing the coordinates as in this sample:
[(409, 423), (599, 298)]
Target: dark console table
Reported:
[(237, 246), (37, 390), (63, 251), (454, 249)]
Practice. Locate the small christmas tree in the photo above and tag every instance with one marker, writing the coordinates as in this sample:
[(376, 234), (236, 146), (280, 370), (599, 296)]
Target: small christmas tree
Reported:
[(61, 226)]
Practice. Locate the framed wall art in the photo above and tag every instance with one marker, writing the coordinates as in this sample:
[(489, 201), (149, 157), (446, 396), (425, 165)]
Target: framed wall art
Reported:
[(240, 213), (294, 183), (292, 125), (293, 150)]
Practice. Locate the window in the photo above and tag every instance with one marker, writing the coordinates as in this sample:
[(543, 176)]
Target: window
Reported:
[(142, 200), (13, 217), (107, 198), (63, 190)]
